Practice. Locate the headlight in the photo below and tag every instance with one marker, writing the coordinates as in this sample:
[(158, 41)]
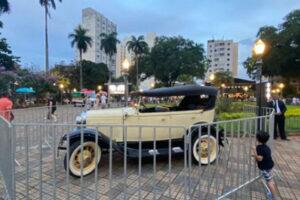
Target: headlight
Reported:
[(81, 119)]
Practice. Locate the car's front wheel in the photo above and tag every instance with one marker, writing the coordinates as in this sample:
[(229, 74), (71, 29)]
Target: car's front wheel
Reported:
[(88, 158), (205, 149)]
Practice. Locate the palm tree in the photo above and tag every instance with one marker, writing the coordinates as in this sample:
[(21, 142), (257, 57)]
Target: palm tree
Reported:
[(47, 4), (139, 47), (4, 6), (82, 42), (109, 45)]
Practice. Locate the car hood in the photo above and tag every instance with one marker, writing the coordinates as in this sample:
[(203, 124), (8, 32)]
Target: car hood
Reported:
[(111, 112)]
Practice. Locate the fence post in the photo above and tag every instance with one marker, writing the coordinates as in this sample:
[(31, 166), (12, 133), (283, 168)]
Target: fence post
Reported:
[(7, 158), (271, 129)]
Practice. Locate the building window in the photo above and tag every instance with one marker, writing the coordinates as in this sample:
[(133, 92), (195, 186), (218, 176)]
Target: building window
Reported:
[(228, 59), (216, 65), (222, 54), (222, 44), (228, 49), (227, 64), (222, 49), (228, 54), (215, 50), (216, 59)]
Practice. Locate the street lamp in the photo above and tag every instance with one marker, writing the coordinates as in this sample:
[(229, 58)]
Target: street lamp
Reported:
[(61, 87), (259, 49), (99, 87), (212, 77), (125, 69)]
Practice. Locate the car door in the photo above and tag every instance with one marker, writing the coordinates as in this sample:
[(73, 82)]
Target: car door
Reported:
[(151, 126)]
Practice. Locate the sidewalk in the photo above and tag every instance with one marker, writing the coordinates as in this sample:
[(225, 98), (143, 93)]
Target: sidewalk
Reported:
[(286, 156)]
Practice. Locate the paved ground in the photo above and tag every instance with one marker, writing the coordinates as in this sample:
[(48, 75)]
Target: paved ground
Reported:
[(156, 181)]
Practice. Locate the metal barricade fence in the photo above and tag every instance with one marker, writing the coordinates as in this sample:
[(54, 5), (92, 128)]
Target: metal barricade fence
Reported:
[(40, 172), (6, 160)]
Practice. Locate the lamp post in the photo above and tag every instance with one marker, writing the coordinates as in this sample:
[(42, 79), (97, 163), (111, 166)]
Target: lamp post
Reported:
[(125, 69), (259, 49), (212, 77), (61, 87), (99, 87)]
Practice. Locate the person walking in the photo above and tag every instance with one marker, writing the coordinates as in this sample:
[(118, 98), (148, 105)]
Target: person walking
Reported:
[(280, 109), (5, 107), (51, 109), (263, 156), (103, 101)]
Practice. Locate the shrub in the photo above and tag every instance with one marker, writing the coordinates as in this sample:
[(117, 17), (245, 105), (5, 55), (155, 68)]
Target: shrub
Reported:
[(223, 105)]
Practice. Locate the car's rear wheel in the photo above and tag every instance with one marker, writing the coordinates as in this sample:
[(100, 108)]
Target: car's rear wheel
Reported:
[(85, 158), (206, 151)]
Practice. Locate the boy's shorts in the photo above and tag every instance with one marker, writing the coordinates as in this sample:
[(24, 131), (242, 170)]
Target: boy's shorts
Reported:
[(267, 174)]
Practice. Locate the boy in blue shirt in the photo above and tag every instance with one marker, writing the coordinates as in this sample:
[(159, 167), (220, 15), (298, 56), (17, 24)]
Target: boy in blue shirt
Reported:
[(263, 157)]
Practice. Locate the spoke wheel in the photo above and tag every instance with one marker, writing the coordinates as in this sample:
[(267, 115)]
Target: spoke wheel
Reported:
[(207, 149), (83, 156)]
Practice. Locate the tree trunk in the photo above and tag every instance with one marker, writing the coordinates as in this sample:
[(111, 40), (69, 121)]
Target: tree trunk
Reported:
[(46, 41), (137, 72), (80, 63), (109, 82)]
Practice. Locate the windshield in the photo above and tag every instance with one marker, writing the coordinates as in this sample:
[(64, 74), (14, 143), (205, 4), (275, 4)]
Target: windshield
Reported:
[(176, 103)]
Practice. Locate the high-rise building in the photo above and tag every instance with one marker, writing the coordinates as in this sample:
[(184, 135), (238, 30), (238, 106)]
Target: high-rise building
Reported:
[(123, 53), (96, 24), (223, 56)]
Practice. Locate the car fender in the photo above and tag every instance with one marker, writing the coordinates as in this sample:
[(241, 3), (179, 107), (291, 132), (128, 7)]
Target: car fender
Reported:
[(88, 134)]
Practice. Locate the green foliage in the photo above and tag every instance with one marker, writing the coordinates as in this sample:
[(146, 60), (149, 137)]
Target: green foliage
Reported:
[(223, 105), (109, 43), (293, 111), (229, 116), (7, 60), (139, 47), (93, 74), (223, 78), (282, 54), (4, 6), (80, 39), (171, 57)]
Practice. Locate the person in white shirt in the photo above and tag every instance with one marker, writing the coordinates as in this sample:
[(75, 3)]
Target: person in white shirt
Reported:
[(103, 101), (280, 109)]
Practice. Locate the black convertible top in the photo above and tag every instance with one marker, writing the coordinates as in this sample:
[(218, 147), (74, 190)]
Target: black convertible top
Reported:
[(183, 90)]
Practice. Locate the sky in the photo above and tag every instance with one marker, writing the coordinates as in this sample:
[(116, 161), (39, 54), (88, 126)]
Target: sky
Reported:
[(199, 20)]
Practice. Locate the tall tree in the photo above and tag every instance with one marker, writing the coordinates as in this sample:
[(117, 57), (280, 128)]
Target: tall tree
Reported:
[(139, 47), (282, 54), (82, 42), (223, 77), (47, 4), (109, 45), (4, 6), (7, 60), (171, 57)]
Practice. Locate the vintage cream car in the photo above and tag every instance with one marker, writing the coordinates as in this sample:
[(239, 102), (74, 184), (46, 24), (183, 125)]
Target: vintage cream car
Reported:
[(147, 129)]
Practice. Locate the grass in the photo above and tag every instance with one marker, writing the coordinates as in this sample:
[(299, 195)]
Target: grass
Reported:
[(292, 115)]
